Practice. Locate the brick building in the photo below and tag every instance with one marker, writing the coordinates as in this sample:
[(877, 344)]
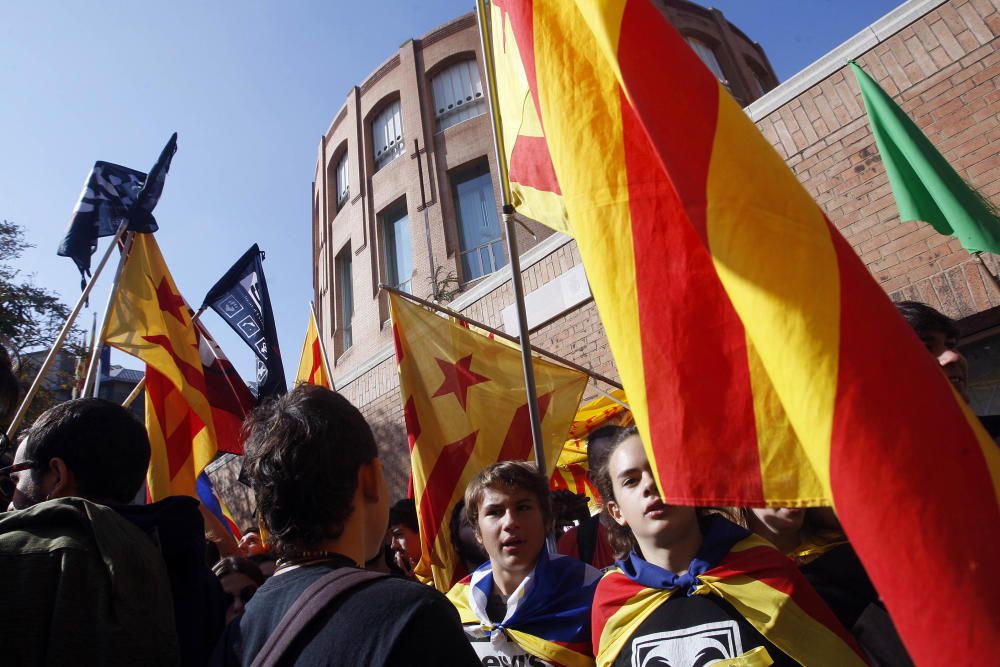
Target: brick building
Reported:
[(938, 58)]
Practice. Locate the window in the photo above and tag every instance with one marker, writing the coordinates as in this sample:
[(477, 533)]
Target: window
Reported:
[(345, 297), (387, 135), (478, 224), (398, 255), (343, 185), (707, 55), (757, 86), (458, 94)]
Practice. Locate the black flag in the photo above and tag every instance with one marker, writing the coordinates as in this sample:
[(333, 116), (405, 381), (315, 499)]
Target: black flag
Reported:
[(114, 194), (241, 299)]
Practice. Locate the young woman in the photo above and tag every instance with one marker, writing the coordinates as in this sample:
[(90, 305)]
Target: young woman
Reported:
[(693, 587), (523, 606)]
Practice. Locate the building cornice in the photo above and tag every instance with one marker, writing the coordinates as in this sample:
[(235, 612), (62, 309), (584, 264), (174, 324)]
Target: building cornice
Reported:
[(861, 43)]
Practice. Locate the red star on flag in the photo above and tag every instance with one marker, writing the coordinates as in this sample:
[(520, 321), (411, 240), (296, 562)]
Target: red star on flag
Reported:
[(458, 377), (168, 301)]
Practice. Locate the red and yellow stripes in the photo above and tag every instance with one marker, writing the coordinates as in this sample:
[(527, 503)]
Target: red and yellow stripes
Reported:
[(762, 362), (312, 362), (760, 583)]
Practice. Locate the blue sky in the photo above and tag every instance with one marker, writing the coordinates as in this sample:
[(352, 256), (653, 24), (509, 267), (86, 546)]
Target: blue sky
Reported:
[(250, 87)]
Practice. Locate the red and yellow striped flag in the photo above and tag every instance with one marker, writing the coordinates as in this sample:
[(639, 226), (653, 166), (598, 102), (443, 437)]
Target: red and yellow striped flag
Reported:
[(762, 362), (150, 320), (312, 363), (465, 407)]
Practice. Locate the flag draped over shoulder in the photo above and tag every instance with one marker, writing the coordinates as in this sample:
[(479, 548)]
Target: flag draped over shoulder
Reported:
[(150, 320), (746, 571), (572, 467), (465, 407), (241, 298), (926, 187), (114, 194), (312, 363), (762, 362), (548, 615)]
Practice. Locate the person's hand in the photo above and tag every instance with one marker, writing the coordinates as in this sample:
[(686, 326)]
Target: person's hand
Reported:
[(403, 563), (569, 507)]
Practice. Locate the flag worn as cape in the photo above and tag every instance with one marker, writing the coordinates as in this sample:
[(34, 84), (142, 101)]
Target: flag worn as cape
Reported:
[(241, 298), (763, 364), (746, 571), (113, 194), (926, 187), (548, 614), (465, 407), (150, 320), (571, 469), (312, 363)]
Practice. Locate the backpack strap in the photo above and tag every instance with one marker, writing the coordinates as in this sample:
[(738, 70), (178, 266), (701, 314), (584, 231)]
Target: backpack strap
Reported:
[(309, 605)]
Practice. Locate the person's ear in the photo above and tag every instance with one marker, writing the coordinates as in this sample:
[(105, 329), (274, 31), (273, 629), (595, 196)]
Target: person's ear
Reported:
[(615, 512), (63, 482), (370, 480)]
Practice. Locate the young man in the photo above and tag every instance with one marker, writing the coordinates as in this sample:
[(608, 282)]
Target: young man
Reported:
[(314, 468), (81, 583), (939, 334), (523, 606), (404, 535)]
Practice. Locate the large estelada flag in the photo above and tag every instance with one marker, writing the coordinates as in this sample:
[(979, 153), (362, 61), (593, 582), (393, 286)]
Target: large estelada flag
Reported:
[(312, 363), (150, 320), (465, 407), (762, 362)]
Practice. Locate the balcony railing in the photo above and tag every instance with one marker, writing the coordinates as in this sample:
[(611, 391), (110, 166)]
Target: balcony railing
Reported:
[(482, 260)]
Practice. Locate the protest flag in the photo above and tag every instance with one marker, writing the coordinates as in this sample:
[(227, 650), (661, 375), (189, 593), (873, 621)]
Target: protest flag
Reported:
[(113, 195), (926, 187), (464, 405), (763, 364), (150, 320), (228, 395), (313, 368), (241, 298), (214, 504)]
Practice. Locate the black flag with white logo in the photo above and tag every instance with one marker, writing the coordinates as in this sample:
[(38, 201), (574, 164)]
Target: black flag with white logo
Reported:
[(241, 299)]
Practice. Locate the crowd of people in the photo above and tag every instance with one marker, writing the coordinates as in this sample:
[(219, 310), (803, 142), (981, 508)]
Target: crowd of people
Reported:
[(95, 576)]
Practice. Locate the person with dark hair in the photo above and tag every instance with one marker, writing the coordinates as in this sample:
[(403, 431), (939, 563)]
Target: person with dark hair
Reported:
[(523, 605), (939, 334), (82, 584), (240, 578), (692, 587), (463, 539), (404, 535), (322, 499), (589, 541)]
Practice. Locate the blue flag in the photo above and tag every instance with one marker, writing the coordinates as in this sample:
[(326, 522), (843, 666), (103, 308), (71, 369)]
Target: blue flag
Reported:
[(240, 297), (114, 194)]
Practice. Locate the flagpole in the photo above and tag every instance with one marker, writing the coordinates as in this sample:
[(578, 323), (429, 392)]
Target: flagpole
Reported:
[(89, 384), (61, 338), (506, 336), (512, 249), (322, 347)]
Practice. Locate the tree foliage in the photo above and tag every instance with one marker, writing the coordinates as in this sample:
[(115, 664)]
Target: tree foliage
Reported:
[(30, 319)]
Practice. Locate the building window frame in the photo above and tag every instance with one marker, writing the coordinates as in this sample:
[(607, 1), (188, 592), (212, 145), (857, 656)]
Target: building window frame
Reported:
[(477, 222), (708, 54), (344, 306), (387, 134), (342, 180), (457, 93), (397, 245)]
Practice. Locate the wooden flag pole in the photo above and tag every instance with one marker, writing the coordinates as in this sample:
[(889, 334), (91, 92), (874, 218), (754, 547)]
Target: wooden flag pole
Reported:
[(95, 357), (22, 409), (506, 336)]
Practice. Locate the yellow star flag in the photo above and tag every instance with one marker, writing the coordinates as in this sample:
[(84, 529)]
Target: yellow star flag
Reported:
[(150, 320), (572, 467), (312, 363), (465, 407)]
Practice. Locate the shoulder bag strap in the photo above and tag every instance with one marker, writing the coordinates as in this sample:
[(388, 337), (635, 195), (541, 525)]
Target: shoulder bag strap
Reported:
[(310, 603)]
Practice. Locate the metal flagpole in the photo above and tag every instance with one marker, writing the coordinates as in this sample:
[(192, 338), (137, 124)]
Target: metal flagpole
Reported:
[(512, 249), (506, 336), (88, 385), (22, 410)]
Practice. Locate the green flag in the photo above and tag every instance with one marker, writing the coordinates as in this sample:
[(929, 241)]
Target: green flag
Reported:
[(925, 186)]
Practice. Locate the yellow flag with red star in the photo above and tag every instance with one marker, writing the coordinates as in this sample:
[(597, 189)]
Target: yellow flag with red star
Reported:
[(150, 320), (312, 363), (465, 407)]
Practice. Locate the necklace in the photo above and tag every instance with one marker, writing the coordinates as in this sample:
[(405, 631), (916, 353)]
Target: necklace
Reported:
[(303, 558)]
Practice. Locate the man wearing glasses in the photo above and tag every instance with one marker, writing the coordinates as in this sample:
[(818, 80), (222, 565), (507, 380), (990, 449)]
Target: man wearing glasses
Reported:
[(85, 585)]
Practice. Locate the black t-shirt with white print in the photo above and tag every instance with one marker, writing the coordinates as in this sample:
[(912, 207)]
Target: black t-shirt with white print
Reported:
[(694, 631)]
